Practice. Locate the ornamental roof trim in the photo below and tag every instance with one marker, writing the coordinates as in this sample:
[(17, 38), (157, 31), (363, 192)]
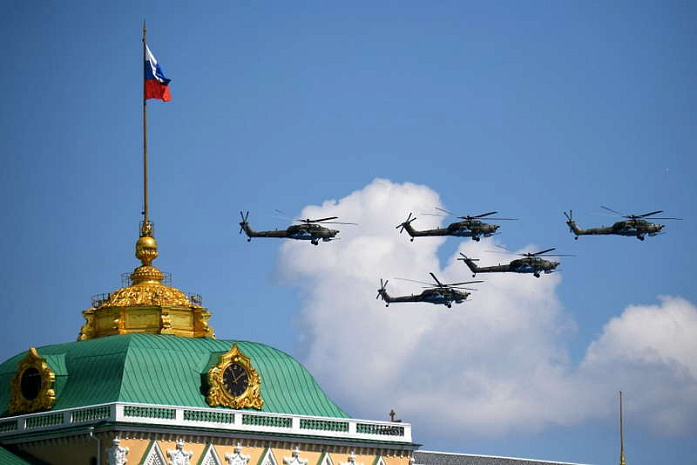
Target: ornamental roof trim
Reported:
[(210, 419)]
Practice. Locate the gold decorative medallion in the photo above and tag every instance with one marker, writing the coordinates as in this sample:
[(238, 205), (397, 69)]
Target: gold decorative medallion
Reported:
[(234, 383), (33, 385)]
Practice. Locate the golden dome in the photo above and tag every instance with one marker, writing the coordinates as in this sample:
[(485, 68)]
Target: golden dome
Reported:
[(148, 295), (147, 305)]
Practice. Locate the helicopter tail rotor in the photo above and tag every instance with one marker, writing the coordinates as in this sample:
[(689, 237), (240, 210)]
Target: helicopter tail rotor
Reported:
[(403, 225), (243, 223), (382, 292)]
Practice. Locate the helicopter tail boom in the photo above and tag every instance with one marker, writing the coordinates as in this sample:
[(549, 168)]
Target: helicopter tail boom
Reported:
[(470, 263)]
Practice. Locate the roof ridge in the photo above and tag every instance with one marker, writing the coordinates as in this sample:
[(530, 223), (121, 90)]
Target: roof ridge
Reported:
[(555, 462)]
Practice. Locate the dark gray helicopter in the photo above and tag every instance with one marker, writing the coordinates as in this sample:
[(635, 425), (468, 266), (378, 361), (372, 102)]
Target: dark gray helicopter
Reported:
[(530, 263), (440, 294), (471, 226), (307, 230), (634, 225)]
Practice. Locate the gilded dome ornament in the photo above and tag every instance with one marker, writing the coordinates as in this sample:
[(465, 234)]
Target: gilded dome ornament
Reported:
[(234, 383), (147, 305), (33, 385)]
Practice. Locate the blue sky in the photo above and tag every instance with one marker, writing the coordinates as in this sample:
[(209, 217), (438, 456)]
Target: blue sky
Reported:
[(373, 110)]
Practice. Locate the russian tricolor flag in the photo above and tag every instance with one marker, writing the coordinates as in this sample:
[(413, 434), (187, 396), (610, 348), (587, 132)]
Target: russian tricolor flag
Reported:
[(156, 84)]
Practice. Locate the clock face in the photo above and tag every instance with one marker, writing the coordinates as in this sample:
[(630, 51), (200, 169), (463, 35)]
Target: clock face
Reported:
[(30, 383), (235, 379)]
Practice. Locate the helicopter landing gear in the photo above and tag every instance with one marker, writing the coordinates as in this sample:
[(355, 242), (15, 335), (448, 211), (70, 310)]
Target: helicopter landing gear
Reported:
[(476, 238), (537, 275), (640, 237)]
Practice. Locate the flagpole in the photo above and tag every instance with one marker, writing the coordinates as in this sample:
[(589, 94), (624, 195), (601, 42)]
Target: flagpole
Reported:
[(622, 462), (145, 229)]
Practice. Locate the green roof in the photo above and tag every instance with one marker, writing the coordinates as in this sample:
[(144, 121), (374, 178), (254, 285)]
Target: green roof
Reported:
[(167, 370), (8, 458)]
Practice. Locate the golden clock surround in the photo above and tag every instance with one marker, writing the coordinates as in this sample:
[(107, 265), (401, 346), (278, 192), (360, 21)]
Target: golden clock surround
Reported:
[(219, 396), (46, 398)]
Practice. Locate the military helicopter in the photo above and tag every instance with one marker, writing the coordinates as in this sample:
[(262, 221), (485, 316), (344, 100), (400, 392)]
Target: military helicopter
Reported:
[(307, 230), (471, 226), (634, 225), (440, 294), (530, 263)]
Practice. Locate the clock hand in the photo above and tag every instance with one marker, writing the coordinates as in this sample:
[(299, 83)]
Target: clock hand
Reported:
[(238, 377)]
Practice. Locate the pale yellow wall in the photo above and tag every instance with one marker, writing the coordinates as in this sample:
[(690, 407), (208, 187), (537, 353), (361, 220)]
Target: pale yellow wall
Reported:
[(393, 460), (79, 451), (136, 449)]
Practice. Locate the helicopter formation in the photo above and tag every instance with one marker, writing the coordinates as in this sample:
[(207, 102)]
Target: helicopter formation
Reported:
[(473, 226)]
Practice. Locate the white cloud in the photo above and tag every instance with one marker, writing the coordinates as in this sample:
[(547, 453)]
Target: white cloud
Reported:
[(495, 363), (650, 350)]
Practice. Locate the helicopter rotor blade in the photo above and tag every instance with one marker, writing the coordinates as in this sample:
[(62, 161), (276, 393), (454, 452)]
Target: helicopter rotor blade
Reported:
[(445, 211), (338, 222), (483, 215), (649, 214), (544, 251), (463, 283), (439, 215), (415, 281), (283, 215), (436, 280), (611, 210), (308, 220), (503, 250), (661, 218)]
